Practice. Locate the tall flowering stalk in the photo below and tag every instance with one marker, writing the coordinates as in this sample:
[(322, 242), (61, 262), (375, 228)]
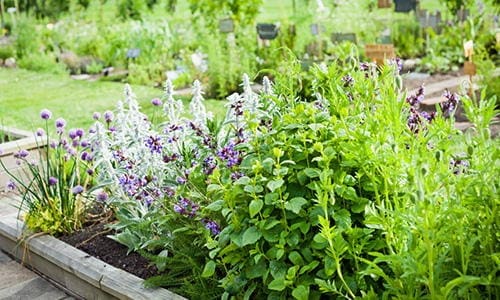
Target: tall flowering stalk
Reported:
[(54, 188)]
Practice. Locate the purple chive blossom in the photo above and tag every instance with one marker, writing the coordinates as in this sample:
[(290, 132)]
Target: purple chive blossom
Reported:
[(53, 144), (85, 143), (415, 100), (449, 106), (348, 80), (40, 132), (230, 155), (21, 154), (90, 172), (154, 144), (102, 196), (96, 116), (181, 180), (108, 116), (11, 185), (52, 181), (77, 189), (72, 134), (156, 102), (60, 123), (212, 226), (45, 114), (79, 132)]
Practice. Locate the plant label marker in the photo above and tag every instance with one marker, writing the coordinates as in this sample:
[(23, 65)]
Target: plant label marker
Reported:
[(469, 66), (226, 25), (384, 3), (378, 53)]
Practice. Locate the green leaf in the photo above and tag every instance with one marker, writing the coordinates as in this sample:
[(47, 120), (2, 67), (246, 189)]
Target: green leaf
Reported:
[(255, 207), (242, 181), (330, 266), (277, 284), (312, 172), (213, 187), (295, 204), (253, 189), (275, 184), (295, 258), (301, 292), (342, 219), (209, 269), (215, 206), (250, 236)]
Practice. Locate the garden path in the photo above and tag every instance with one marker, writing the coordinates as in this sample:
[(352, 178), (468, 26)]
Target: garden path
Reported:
[(18, 282)]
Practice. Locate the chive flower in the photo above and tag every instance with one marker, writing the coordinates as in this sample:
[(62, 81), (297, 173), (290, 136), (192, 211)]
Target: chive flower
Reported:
[(45, 114), (77, 190)]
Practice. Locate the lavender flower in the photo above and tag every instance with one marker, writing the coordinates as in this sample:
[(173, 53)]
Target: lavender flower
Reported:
[(212, 226), (154, 144), (415, 100), (449, 106), (230, 155), (102, 196), (156, 102), (398, 62), (45, 114), (40, 132), (348, 80), (53, 181), (186, 207), (181, 180), (209, 165), (77, 189), (459, 166), (11, 185)]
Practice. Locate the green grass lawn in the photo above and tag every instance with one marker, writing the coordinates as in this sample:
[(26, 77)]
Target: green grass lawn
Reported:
[(24, 94)]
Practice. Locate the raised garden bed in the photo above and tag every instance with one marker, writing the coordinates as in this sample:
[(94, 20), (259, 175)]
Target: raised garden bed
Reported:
[(11, 141), (80, 273)]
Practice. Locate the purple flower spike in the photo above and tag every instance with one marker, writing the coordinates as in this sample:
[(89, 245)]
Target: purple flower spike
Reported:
[(108, 116), (154, 144), (45, 114), (212, 226), (156, 102), (449, 106), (77, 189), (348, 80), (53, 180)]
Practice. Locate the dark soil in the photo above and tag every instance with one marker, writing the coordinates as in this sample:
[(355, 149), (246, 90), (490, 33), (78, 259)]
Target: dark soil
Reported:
[(94, 241)]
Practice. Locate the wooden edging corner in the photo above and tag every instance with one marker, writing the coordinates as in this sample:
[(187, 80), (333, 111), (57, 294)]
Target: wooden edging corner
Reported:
[(75, 270)]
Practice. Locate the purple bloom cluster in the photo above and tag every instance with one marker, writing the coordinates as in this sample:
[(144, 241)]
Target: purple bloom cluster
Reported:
[(45, 114), (449, 106), (156, 102), (108, 116), (21, 154), (77, 189), (415, 100), (459, 166), (154, 144), (186, 207), (416, 119), (212, 226), (11, 185), (209, 165), (40, 132), (348, 80), (53, 181), (102, 196), (230, 155), (398, 62)]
